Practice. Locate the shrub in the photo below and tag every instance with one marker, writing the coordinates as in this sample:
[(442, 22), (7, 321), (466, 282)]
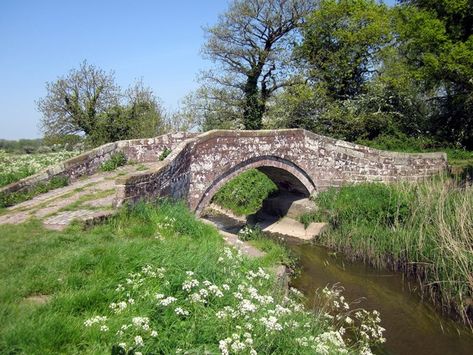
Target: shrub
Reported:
[(116, 160)]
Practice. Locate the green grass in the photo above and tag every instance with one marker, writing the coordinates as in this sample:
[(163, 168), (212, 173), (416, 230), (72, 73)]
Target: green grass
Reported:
[(138, 254), (244, 194), (424, 229), (7, 178), (14, 167), (10, 199), (276, 253), (115, 161)]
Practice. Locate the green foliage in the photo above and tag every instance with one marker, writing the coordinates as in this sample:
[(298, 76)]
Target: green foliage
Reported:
[(245, 193), (164, 154), (371, 203), (10, 199), (116, 160), (342, 43), (423, 229), (21, 146), (158, 248), (88, 102), (250, 233), (250, 47), (9, 177), (14, 167), (276, 252), (370, 70)]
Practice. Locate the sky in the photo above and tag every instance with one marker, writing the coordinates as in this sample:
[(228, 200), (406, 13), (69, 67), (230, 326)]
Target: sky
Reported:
[(158, 41)]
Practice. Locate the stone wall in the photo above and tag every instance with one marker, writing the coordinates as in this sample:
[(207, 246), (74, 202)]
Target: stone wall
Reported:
[(294, 159), (88, 163), (170, 178)]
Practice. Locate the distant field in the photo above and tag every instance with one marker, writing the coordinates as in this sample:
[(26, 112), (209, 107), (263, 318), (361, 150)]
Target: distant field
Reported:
[(14, 167)]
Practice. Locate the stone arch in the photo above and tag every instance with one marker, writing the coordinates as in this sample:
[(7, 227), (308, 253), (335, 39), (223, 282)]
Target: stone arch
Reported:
[(284, 173)]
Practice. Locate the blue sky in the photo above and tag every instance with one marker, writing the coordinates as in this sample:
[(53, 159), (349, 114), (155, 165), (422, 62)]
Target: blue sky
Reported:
[(157, 40)]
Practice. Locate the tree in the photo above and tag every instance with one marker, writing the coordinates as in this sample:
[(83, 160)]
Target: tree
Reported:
[(436, 38), (342, 45), (88, 102), (74, 102), (251, 44)]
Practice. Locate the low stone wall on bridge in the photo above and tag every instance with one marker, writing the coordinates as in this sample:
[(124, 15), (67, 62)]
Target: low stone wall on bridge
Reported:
[(88, 163), (295, 159)]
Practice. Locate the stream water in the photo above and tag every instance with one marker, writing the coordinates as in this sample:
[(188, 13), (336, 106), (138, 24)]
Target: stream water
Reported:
[(412, 326)]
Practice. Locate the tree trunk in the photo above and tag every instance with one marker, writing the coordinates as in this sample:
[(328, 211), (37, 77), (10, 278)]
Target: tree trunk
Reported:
[(254, 107)]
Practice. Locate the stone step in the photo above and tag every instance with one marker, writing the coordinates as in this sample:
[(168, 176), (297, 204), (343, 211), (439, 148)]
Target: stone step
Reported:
[(293, 229), (287, 204)]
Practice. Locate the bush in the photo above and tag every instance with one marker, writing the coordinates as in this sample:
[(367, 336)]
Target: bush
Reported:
[(116, 160)]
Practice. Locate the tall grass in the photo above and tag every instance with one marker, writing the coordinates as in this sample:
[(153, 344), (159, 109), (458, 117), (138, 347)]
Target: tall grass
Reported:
[(424, 229)]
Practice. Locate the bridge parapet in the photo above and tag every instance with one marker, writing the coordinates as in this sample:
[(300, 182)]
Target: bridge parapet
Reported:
[(295, 159), (88, 163)]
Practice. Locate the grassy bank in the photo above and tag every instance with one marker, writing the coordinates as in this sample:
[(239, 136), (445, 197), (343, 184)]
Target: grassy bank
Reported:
[(244, 194), (424, 229), (156, 280)]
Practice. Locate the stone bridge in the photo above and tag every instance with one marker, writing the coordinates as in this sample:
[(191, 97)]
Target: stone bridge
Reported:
[(199, 164), (296, 160)]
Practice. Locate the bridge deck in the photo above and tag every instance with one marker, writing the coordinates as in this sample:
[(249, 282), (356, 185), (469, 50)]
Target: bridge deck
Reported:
[(86, 199)]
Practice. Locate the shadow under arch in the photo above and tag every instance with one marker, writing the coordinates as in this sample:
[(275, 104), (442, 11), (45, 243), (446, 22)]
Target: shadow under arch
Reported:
[(284, 173)]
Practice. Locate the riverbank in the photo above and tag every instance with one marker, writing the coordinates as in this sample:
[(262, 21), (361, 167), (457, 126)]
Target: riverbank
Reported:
[(424, 230), (155, 279), (412, 326)]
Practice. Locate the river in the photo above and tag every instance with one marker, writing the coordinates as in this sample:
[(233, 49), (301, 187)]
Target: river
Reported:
[(412, 326)]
